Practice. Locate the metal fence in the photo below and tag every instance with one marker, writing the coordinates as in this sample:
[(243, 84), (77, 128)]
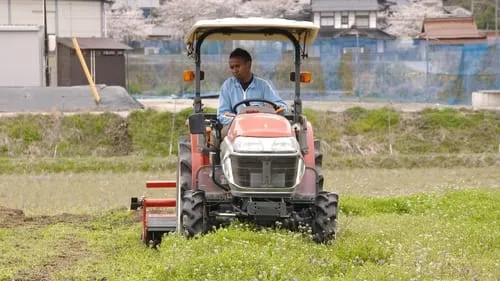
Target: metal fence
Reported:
[(343, 69)]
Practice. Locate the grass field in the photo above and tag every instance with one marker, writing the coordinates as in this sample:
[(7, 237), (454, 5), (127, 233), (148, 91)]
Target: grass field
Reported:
[(399, 224), (83, 193), (419, 199)]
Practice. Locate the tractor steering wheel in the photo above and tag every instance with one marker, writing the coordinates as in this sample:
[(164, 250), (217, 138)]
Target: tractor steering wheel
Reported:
[(248, 101)]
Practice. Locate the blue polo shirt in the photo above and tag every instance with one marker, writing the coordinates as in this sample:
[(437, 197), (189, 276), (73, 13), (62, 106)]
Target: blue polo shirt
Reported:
[(232, 92)]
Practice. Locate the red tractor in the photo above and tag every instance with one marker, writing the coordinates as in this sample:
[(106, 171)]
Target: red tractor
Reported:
[(268, 168)]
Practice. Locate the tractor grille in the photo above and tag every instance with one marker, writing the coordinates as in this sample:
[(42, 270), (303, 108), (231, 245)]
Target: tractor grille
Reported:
[(264, 171)]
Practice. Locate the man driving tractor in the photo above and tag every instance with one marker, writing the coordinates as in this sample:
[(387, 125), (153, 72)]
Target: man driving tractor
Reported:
[(241, 86), (269, 170)]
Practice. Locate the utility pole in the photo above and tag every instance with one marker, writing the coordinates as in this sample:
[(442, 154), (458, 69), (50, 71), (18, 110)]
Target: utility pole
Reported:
[(46, 39)]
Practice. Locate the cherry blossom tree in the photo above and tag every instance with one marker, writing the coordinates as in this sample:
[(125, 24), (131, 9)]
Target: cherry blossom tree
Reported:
[(272, 9), (127, 24), (180, 15), (406, 20)]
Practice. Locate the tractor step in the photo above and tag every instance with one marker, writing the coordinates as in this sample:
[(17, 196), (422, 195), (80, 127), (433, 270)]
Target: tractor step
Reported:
[(161, 184), (161, 223)]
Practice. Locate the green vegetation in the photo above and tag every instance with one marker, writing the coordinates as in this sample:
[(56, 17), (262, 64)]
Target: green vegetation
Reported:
[(484, 11), (356, 137), (453, 236)]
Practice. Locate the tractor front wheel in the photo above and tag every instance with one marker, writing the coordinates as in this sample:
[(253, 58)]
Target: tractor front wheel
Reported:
[(324, 226), (194, 218)]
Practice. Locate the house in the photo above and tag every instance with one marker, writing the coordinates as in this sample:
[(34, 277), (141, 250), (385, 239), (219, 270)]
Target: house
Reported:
[(451, 30), (353, 23), (335, 18), (22, 28), (65, 18)]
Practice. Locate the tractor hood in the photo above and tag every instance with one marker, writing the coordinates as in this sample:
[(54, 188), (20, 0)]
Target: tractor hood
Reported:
[(265, 125)]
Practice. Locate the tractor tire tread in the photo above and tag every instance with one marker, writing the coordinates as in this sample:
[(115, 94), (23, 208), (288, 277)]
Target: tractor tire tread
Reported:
[(325, 221), (194, 213), (318, 161)]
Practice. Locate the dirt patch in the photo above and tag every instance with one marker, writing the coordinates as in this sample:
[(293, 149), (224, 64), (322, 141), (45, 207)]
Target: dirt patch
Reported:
[(14, 218), (69, 252)]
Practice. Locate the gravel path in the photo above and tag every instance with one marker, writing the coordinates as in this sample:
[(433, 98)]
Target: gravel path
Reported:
[(77, 99)]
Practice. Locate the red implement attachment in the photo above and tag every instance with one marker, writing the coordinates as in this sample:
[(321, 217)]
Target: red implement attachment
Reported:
[(161, 184), (155, 224)]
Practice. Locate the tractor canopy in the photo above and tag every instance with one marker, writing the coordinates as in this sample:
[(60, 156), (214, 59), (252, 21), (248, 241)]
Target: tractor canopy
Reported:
[(252, 29)]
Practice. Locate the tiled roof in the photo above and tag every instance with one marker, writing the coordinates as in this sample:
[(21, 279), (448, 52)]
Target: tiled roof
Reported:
[(450, 28), (344, 5)]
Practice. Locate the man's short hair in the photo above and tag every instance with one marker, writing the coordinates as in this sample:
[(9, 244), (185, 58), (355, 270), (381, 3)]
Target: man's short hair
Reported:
[(241, 53)]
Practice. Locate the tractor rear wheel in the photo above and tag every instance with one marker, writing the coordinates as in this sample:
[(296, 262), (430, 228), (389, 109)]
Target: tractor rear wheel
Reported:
[(324, 225), (318, 159), (194, 217)]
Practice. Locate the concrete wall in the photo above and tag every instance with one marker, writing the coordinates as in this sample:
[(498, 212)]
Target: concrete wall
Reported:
[(486, 99), (65, 18), (4, 12), (80, 18), (22, 57)]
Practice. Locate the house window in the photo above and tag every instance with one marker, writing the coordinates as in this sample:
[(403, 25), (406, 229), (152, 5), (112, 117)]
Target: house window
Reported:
[(344, 20), (362, 21), (327, 19)]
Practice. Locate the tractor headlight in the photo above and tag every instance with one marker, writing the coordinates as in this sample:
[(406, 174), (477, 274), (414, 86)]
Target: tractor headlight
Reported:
[(245, 144), (266, 145), (285, 145)]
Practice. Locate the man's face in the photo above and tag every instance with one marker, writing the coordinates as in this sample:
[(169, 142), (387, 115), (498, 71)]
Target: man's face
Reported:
[(240, 68)]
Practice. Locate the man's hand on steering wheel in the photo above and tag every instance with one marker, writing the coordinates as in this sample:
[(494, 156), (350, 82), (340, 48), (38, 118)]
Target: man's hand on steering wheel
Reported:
[(277, 108)]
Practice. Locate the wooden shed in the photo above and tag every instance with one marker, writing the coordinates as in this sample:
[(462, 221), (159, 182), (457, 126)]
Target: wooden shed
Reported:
[(105, 59)]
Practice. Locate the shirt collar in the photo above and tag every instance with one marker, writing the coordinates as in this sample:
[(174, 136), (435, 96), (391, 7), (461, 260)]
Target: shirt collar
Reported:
[(252, 84)]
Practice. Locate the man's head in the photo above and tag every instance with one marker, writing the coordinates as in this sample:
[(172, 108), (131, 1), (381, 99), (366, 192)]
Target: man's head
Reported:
[(240, 63)]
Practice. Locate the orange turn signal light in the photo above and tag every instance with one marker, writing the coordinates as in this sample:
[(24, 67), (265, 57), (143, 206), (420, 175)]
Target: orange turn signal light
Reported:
[(188, 75), (305, 77)]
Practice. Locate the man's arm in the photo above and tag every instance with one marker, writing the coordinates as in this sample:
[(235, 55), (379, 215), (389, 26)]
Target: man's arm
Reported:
[(270, 94), (224, 105)]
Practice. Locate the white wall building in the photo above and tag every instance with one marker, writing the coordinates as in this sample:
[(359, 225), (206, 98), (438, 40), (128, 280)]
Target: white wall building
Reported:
[(65, 18), (22, 35)]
